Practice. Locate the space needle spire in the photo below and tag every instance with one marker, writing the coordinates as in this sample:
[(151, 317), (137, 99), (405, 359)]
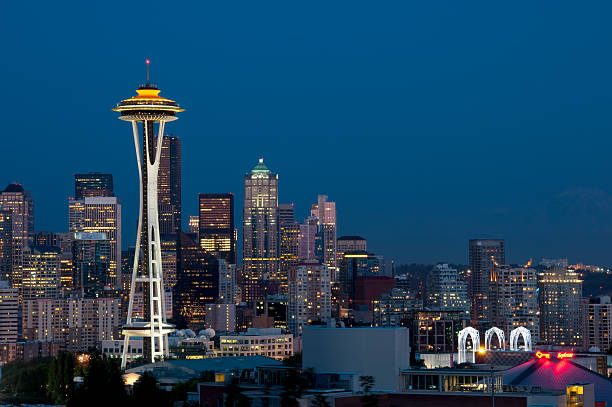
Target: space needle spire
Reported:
[(148, 112)]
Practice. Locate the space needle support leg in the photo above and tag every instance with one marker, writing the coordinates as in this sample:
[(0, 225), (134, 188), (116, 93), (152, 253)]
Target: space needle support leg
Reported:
[(126, 340)]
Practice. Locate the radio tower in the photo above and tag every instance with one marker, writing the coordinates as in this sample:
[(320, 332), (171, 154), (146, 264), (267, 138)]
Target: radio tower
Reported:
[(148, 111)]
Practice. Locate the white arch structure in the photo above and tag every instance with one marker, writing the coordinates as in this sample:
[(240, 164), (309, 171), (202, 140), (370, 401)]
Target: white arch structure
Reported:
[(463, 336), (514, 337), (500, 337)]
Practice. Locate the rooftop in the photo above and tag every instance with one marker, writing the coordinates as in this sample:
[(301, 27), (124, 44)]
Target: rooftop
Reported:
[(261, 168), (13, 188), (556, 374)]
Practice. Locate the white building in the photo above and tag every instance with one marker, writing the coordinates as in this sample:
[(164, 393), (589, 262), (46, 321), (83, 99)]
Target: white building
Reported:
[(270, 342), (114, 348), (309, 295), (378, 352), (9, 312)]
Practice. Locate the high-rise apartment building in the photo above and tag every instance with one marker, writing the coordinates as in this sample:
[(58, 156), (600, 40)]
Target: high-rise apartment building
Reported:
[(92, 184), (325, 212), (100, 215), (446, 290), (9, 312), (169, 185), (91, 253), (41, 272), (560, 300), (77, 324), (227, 283), (197, 284), (216, 225), (17, 200), (597, 323), (309, 295), (6, 244), (513, 300), (261, 271), (484, 254), (395, 308), (289, 236)]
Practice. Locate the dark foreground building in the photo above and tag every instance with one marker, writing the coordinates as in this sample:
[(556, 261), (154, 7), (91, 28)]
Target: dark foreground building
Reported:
[(197, 284)]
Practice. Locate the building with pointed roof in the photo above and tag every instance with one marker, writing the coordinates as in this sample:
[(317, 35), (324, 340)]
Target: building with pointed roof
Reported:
[(551, 373), (261, 259)]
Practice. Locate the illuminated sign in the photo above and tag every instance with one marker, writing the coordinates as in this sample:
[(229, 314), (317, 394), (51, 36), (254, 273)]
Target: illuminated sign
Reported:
[(541, 355), (560, 355)]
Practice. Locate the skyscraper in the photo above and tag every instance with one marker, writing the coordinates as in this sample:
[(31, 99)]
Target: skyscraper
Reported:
[(169, 185), (216, 225), (41, 272), (17, 200), (307, 249), (100, 215), (91, 260), (6, 244), (197, 284), (560, 299), (92, 184), (289, 237), (513, 300), (9, 313), (326, 214), (261, 273), (146, 112), (484, 254)]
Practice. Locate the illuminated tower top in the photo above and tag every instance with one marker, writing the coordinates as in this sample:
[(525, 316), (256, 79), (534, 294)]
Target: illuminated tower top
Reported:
[(148, 105)]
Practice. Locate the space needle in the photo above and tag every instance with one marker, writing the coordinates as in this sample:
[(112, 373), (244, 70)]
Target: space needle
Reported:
[(147, 112)]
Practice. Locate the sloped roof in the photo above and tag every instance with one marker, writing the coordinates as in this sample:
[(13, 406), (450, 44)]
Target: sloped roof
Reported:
[(555, 374), (14, 188)]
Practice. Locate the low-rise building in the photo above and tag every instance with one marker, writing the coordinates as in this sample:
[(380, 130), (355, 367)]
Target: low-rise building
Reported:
[(378, 352), (270, 342)]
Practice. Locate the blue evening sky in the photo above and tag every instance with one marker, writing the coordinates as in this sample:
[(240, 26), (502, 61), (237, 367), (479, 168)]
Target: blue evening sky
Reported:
[(429, 123)]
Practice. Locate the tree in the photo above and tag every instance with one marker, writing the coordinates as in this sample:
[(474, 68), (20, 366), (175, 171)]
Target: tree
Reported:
[(147, 394), (102, 384), (368, 399), (60, 382)]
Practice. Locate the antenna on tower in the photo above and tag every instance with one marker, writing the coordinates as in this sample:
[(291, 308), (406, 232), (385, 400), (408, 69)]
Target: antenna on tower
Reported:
[(148, 62)]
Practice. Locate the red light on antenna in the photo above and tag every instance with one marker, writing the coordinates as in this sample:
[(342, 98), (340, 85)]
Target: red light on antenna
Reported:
[(148, 61)]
